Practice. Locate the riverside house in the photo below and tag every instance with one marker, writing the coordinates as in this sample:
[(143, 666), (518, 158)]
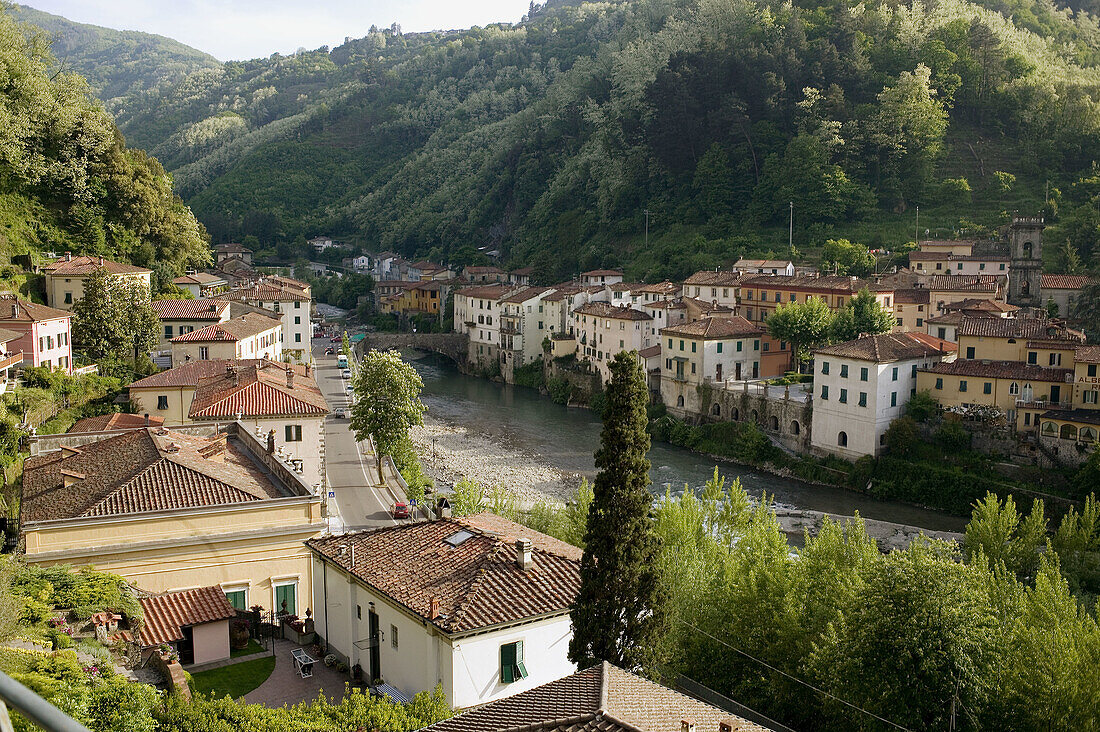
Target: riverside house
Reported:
[(709, 351), (478, 605), (168, 509), (292, 304), (603, 331)]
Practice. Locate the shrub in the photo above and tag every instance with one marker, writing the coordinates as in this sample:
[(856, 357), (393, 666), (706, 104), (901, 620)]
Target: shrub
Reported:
[(560, 390), (901, 436), (922, 406), (954, 190), (952, 437), (530, 375), (598, 403)]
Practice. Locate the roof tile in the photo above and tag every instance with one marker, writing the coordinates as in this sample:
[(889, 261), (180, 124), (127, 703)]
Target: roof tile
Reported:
[(166, 615)]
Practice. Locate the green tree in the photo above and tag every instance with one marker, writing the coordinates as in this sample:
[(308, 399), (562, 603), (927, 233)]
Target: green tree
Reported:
[(805, 325), (1067, 260), (862, 314), (847, 258), (114, 318), (1000, 534), (387, 401), (1086, 310), (713, 184), (619, 614), (909, 128), (922, 406)]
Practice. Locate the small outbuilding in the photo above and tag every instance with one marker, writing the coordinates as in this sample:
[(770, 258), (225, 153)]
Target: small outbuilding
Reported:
[(193, 622)]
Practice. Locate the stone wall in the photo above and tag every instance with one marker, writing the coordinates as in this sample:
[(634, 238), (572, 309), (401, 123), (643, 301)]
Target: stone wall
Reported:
[(585, 382)]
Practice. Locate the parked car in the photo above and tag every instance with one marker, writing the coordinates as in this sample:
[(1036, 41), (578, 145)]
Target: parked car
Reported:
[(340, 413), (329, 351), (350, 388), (346, 373), (400, 510), (334, 339)]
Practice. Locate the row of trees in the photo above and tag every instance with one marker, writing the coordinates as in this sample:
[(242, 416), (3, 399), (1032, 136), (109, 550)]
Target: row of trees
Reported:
[(807, 325), (835, 635)]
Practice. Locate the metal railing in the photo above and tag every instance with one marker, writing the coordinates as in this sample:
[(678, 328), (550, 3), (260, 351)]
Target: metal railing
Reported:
[(33, 707)]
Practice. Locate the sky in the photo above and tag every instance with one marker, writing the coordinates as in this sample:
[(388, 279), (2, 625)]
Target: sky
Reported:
[(243, 29)]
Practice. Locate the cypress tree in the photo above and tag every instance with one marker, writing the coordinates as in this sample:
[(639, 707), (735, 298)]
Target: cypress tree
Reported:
[(619, 614)]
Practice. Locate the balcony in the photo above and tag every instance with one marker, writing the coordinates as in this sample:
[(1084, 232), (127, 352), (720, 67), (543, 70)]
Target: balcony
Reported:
[(1043, 404)]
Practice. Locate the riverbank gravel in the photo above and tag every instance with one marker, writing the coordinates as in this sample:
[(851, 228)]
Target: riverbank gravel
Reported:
[(450, 452)]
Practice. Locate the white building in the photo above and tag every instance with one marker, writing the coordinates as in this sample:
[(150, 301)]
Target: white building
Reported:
[(321, 243), (863, 385), (710, 351), (603, 331), (601, 277), (477, 313), (183, 316), (523, 326), (478, 605), (764, 266), (293, 305), (250, 336), (718, 288)]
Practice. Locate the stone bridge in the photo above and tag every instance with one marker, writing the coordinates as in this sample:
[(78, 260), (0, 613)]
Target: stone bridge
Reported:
[(452, 345)]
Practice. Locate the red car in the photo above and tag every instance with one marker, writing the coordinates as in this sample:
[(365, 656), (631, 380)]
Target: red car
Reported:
[(335, 339), (400, 510)]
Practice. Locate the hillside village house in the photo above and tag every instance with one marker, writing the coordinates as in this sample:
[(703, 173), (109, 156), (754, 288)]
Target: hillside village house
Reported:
[(10, 357), (910, 310), (521, 276), (274, 399), (195, 623), (523, 326), (708, 351), (401, 602), (484, 275), (944, 290), (601, 277), (1034, 340), (168, 395), (603, 331), (636, 294), (477, 313), (232, 250), (44, 333), (321, 243), (948, 246), (178, 317), (939, 262), (1062, 290), (65, 277), (201, 284), (721, 288), (764, 266), (249, 336), (1021, 391), (1071, 431), (174, 509), (293, 305), (861, 386)]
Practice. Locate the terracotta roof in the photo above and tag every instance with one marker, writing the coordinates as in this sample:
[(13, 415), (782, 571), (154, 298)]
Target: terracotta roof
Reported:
[(1087, 354), (974, 304), (198, 278), (115, 421), (1028, 328), (486, 292), (952, 318), (1063, 282), (715, 327), (1052, 344), (265, 292), (947, 242), (525, 294), (607, 310), (602, 273), (602, 698), (677, 304), (189, 309), (523, 271), (166, 615), (82, 266), (911, 297), (650, 352), (150, 469), (12, 309), (232, 247), (1082, 416), (964, 283), (1001, 370), (190, 373), (483, 270), (806, 282), (236, 329), (657, 288), (763, 263), (714, 279), (562, 292), (474, 578), (258, 390), (7, 336), (929, 256), (706, 306), (288, 282), (889, 347)]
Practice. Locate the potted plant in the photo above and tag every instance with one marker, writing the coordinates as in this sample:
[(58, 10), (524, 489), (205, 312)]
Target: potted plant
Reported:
[(357, 672), (238, 634)]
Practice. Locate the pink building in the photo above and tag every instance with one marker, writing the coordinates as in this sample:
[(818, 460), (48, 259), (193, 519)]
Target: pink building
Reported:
[(45, 333)]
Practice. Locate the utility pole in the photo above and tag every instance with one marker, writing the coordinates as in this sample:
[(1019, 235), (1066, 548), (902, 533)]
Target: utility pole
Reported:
[(916, 228), (646, 228), (790, 232)]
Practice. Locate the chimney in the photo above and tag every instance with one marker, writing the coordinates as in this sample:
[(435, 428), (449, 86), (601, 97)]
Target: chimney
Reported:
[(101, 261), (146, 419), (289, 377), (172, 447), (524, 560), (686, 725), (271, 442), (68, 256), (14, 308), (435, 611), (214, 449)]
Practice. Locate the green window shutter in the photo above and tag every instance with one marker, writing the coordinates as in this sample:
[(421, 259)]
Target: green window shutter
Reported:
[(289, 433), (507, 663), (236, 599), (285, 592)]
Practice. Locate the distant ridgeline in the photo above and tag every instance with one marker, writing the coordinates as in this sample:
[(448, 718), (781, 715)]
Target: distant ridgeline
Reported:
[(67, 179), (559, 138)]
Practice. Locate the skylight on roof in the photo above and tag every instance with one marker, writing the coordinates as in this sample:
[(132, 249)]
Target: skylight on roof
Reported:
[(458, 537)]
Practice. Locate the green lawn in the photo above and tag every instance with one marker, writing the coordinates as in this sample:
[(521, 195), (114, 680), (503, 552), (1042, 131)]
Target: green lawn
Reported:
[(252, 647), (234, 680)]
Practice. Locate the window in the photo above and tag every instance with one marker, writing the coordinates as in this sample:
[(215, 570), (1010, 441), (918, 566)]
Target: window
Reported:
[(393, 636), (511, 663), (893, 399), (914, 373), (237, 598), (693, 367), (1055, 359), (1092, 369), (162, 401), (297, 337), (670, 344), (1089, 397), (739, 346), (693, 346), (970, 351), (844, 371), (899, 321), (358, 612), (204, 353), (719, 347), (286, 598), (297, 305), (767, 347), (941, 333), (41, 343), (962, 385), (756, 345), (825, 392), (843, 396), (1032, 357), (748, 313), (681, 345), (895, 374), (939, 383), (987, 387), (68, 298), (863, 373), (920, 322), (842, 439), (167, 331), (297, 320), (294, 433), (863, 399), (824, 368)]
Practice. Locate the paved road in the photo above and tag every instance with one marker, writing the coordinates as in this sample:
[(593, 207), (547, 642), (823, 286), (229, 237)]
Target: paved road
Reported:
[(361, 500)]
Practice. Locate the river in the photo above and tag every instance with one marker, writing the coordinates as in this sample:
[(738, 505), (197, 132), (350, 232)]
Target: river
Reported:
[(565, 438)]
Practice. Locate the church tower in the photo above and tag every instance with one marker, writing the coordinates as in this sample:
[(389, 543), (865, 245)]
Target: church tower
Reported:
[(1025, 246)]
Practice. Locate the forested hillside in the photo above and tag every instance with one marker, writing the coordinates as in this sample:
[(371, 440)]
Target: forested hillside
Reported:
[(67, 179), (552, 138), (116, 63)]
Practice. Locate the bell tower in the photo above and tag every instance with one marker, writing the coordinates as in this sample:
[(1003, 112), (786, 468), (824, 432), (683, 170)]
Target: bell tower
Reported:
[(1025, 246)]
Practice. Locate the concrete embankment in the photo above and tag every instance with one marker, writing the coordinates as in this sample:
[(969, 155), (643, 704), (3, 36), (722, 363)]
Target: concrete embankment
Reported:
[(888, 535)]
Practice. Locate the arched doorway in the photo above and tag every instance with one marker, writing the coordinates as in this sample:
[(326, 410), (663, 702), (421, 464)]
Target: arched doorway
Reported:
[(1068, 432), (842, 439), (773, 423), (680, 400), (796, 428), (735, 414), (755, 417), (716, 410)]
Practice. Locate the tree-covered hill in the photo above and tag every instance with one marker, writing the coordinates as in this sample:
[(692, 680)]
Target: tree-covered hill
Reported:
[(67, 179), (116, 63), (551, 138)]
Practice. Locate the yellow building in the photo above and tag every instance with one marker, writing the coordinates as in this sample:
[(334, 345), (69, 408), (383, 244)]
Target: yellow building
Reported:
[(1021, 391), (910, 311), (944, 290), (65, 278), (1086, 377), (1035, 341), (171, 510)]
